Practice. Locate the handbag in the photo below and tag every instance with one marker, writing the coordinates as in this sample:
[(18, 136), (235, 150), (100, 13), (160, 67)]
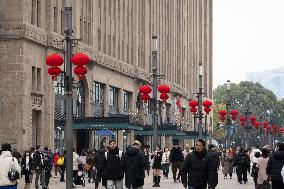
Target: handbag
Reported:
[(13, 175), (87, 167)]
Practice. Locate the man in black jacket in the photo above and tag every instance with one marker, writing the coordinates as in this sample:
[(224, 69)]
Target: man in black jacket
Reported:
[(176, 159), (274, 167), (99, 160), (113, 166), (38, 159), (213, 166), (195, 169), (242, 163), (135, 164)]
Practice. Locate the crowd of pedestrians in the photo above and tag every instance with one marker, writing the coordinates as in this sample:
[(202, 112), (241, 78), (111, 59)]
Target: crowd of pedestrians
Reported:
[(195, 167)]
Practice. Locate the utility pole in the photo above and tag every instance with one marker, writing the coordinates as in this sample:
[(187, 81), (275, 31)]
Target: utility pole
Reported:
[(199, 97), (155, 76), (228, 107), (68, 96)]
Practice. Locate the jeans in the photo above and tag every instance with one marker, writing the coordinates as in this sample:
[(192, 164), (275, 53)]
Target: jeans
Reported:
[(117, 183), (27, 177), (176, 166), (242, 175), (40, 174), (166, 168), (56, 169), (62, 174), (8, 187)]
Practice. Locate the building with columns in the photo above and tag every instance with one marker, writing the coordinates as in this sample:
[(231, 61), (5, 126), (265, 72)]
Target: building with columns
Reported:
[(116, 34)]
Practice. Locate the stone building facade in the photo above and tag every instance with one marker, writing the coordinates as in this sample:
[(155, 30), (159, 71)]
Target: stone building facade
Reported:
[(116, 34)]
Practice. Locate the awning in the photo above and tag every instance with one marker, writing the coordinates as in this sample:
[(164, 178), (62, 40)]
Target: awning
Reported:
[(110, 126), (160, 133)]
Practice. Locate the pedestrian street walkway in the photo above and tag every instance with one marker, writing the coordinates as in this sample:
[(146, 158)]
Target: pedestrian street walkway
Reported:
[(165, 183)]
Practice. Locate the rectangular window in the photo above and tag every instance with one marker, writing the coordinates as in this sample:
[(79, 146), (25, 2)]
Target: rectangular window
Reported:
[(33, 16), (38, 84), (55, 19), (98, 93), (38, 12), (33, 78), (126, 100), (113, 96)]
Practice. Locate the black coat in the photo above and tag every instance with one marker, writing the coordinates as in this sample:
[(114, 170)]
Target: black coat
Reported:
[(38, 159), (113, 166), (157, 162), (195, 169), (99, 159), (23, 165), (135, 164), (213, 168), (242, 162), (275, 164), (176, 155)]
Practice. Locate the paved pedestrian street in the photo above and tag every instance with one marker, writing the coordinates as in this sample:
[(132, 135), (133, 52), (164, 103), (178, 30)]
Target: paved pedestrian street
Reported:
[(165, 183)]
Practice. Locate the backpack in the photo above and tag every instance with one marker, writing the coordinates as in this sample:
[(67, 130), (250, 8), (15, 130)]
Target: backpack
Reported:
[(60, 161), (119, 154)]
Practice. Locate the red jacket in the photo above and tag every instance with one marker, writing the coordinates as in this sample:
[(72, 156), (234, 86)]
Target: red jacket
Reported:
[(55, 158)]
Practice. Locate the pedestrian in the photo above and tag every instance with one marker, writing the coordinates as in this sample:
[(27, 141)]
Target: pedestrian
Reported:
[(8, 166), (241, 162), (134, 163), (227, 164), (56, 156), (213, 166), (148, 158), (176, 159), (195, 170), (93, 171), (262, 177), (27, 167), (186, 150), (99, 160), (166, 162), (47, 170), (89, 165), (254, 169), (157, 166), (76, 163), (61, 162), (275, 165), (113, 166), (38, 160)]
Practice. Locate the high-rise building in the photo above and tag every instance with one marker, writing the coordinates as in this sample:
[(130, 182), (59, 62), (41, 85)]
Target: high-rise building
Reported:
[(116, 34), (270, 79)]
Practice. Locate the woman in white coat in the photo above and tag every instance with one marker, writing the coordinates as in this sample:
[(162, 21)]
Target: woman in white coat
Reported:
[(7, 163), (166, 162)]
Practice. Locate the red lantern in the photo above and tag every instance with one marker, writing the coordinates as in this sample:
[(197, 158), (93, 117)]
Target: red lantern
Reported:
[(243, 123), (145, 89), (207, 103), (252, 119), (274, 126), (54, 60), (54, 72), (281, 130), (178, 102), (180, 109), (222, 112), (207, 110), (82, 77), (145, 97), (243, 118), (164, 88), (193, 110), (257, 124), (234, 112), (164, 97), (193, 103), (80, 70), (234, 117), (222, 118), (80, 59)]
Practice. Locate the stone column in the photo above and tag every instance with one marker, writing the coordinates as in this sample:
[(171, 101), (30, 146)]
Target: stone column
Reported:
[(170, 142), (132, 136), (120, 139), (106, 100), (163, 142)]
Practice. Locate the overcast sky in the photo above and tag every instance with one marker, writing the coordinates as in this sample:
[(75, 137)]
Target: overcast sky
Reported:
[(248, 36)]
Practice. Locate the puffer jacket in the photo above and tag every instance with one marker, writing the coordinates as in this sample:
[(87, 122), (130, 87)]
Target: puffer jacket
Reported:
[(275, 165), (99, 159), (76, 161), (134, 164), (213, 168), (113, 165), (195, 169), (176, 155), (7, 163)]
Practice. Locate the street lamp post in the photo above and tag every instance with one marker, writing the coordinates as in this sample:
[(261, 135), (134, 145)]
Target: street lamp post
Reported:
[(228, 107), (68, 96), (247, 127), (199, 97), (154, 77)]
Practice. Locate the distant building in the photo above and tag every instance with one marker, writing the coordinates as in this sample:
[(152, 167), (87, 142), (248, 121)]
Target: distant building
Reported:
[(271, 79)]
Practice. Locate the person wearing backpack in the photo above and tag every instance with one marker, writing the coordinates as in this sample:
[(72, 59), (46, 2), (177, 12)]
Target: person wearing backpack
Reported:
[(274, 168), (8, 165), (113, 166)]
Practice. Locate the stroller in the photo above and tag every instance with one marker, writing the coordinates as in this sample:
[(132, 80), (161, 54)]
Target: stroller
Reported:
[(80, 178)]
